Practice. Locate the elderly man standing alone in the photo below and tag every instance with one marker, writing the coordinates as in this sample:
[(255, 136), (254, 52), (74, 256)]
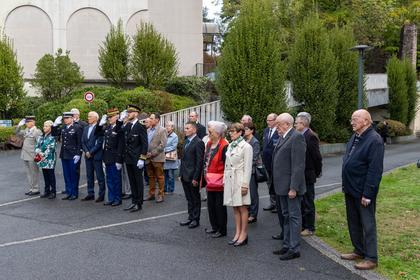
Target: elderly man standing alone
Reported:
[(289, 183), (361, 175)]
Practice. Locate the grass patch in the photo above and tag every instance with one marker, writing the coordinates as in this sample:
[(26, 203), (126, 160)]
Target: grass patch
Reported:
[(397, 219)]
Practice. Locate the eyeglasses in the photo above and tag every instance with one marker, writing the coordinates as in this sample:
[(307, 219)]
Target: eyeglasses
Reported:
[(272, 120)]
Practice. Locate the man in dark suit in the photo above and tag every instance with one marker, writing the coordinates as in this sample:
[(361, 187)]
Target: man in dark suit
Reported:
[(201, 129), (361, 175), (80, 124), (190, 173), (313, 168), (71, 150), (289, 183), (92, 147), (135, 142)]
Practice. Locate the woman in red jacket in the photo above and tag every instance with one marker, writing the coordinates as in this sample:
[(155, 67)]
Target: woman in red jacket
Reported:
[(214, 166)]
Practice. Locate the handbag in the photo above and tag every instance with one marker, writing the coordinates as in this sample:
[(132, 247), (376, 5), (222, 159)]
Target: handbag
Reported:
[(171, 156), (261, 174), (37, 158), (214, 180)]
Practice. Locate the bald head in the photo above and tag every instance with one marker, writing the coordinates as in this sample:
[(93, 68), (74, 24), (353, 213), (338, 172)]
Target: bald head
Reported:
[(284, 122), (360, 121)]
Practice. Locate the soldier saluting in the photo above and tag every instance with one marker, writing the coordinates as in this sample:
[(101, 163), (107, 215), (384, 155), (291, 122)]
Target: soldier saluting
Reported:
[(70, 152)]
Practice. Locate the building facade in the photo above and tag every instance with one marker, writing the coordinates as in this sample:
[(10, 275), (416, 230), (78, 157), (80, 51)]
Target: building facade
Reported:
[(37, 27)]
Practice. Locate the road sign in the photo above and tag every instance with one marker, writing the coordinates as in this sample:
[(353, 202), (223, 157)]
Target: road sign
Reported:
[(89, 96)]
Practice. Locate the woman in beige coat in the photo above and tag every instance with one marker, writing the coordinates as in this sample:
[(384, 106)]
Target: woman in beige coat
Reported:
[(237, 175)]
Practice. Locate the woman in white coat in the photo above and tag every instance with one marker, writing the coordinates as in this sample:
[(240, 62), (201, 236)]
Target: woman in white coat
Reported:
[(237, 175)]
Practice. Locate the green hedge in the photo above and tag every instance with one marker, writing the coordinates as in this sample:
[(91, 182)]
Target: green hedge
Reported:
[(395, 128), (5, 133), (98, 105), (194, 87)]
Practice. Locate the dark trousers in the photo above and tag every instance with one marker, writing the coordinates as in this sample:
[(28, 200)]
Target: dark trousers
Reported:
[(192, 194), (271, 191), (78, 173), (113, 181), (308, 208), (253, 188), (95, 167), (70, 177), (362, 227), (280, 214), (292, 222), (135, 176), (49, 179), (217, 211), (169, 180)]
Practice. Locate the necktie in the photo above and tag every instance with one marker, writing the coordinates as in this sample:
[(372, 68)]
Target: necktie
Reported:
[(187, 142)]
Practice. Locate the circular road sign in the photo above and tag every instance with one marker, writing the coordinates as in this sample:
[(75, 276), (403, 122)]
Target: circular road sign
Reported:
[(89, 96)]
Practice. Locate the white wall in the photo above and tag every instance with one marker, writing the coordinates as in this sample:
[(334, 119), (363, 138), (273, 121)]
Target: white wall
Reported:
[(42, 26)]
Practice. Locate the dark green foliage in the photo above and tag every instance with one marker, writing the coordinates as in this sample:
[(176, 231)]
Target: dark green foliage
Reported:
[(114, 56), (105, 93), (397, 90), (56, 76), (154, 58), (11, 79), (313, 73), (395, 128), (28, 106), (411, 80), (250, 77), (347, 74), (99, 106), (194, 87), (49, 111), (5, 133)]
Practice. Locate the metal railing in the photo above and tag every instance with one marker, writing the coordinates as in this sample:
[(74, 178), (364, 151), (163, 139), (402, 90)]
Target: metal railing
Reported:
[(207, 112)]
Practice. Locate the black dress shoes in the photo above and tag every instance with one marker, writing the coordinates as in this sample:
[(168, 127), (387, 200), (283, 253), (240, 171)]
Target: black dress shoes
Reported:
[(33, 193), (269, 208), (186, 223), (45, 195), (88, 197), (210, 231), (28, 193), (136, 208), (241, 243), (289, 256), (126, 196), (131, 206), (193, 224), (282, 251), (218, 235), (99, 199), (232, 242), (51, 196), (118, 203), (66, 197), (72, 197), (277, 236), (108, 203)]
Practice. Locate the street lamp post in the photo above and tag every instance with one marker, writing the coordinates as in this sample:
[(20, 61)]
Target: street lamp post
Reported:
[(361, 49)]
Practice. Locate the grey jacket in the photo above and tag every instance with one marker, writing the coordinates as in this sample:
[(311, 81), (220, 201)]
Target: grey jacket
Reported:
[(289, 164), (30, 137)]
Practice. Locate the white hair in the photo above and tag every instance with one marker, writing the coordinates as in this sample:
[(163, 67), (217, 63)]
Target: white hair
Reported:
[(305, 117), (48, 123), (247, 117), (219, 127), (96, 115), (287, 118), (75, 111), (170, 123)]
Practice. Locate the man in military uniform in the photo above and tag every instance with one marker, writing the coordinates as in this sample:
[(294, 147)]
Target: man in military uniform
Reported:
[(112, 155), (71, 150), (30, 135), (135, 140), (81, 125)]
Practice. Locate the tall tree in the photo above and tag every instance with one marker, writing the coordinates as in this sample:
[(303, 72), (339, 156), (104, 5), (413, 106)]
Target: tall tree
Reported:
[(114, 56), (56, 76), (251, 72), (313, 73), (154, 58), (412, 96), (11, 78), (397, 90)]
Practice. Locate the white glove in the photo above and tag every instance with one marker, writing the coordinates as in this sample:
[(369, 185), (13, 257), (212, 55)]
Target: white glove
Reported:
[(118, 165), (140, 163), (76, 159), (22, 122), (103, 120), (123, 115), (58, 120)]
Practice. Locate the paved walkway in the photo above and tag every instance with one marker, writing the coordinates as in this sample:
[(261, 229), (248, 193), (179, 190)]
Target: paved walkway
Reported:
[(43, 239)]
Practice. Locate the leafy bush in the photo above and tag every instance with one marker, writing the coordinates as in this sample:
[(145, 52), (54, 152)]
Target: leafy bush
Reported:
[(410, 80), (194, 87), (397, 88), (99, 106), (181, 102), (49, 111), (5, 133), (395, 128), (104, 93)]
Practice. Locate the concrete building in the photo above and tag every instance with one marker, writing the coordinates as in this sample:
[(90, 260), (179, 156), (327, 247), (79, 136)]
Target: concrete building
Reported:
[(38, 27)]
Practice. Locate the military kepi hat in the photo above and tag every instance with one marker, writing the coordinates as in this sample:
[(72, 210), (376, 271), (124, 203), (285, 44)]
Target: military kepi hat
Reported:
[(112, 112), (29, 118), (67, 115), (133, 108)]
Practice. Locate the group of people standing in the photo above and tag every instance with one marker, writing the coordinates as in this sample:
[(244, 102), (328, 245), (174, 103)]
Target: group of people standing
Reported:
[(288, 159)]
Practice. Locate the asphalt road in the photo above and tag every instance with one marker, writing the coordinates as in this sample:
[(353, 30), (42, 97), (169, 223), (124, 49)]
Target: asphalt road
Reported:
[(44, 239)]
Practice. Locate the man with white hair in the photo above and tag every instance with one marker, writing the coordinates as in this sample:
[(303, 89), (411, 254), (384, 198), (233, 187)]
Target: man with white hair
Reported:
[(289, 183), (92, 147), (80, 125), (246, 119)]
